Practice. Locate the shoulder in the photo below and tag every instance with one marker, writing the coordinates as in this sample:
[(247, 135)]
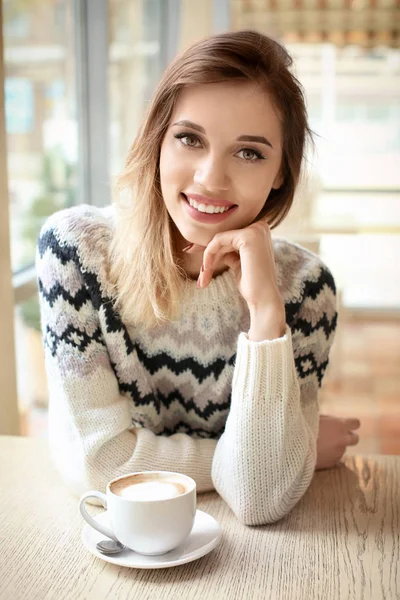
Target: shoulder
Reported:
[(298, 268), (81, 234), (79, 225), (304, 280)]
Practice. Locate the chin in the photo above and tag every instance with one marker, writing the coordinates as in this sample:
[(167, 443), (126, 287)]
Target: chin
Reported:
[(202, 238)]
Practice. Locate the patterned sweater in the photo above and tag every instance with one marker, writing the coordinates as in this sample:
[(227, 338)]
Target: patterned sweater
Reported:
[(194, 395)]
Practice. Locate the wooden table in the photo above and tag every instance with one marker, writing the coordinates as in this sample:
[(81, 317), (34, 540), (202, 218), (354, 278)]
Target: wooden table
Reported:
[(340, 542)]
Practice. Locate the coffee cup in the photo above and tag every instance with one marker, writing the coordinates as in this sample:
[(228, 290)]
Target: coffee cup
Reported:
[(150, 512)]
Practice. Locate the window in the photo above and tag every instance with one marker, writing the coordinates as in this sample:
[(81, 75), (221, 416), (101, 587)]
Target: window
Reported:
[(41, 120), (135, 65), (77, 79)]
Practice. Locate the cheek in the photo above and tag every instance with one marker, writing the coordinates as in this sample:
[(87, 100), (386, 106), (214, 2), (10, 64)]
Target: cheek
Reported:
[(252, 188), (173, 170)]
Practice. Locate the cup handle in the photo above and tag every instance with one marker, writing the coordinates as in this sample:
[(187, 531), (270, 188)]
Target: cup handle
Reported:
[(98, 526)]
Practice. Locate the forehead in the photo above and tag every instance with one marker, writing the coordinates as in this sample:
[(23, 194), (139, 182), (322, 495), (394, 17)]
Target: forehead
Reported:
[(234, 108)]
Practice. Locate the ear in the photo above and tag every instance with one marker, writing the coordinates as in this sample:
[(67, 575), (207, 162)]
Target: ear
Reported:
[(277, 181)]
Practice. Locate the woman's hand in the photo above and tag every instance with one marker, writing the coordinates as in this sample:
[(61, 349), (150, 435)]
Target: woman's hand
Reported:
[(333, 437), (249, 253)]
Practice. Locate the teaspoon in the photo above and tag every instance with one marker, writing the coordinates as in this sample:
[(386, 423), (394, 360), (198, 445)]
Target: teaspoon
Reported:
[(109, 547)]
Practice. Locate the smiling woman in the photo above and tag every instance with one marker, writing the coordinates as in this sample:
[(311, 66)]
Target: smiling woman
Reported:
[(218, 379)]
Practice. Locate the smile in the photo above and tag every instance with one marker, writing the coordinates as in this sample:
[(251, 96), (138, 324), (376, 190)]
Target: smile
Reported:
[(207, 213), (207, 208)]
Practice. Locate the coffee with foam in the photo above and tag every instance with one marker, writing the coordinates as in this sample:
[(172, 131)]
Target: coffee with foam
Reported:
[(150, 512), (149, 487)]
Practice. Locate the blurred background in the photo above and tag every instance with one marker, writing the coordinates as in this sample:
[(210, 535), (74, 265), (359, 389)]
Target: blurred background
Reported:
[(77, 75)]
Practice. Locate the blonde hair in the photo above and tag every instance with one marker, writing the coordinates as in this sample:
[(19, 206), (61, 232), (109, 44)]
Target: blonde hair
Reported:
[(145, 270)]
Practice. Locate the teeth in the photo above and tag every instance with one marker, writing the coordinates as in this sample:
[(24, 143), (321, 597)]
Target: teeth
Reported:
[(207, 208)]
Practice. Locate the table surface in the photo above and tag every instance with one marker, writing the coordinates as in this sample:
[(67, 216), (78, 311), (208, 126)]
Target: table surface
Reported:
[(340, 542)]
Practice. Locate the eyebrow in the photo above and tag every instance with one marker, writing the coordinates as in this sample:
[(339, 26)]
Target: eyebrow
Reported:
[(242, 138)]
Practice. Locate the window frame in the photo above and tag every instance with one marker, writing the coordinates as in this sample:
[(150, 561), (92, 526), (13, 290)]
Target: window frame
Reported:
[(9, 416)]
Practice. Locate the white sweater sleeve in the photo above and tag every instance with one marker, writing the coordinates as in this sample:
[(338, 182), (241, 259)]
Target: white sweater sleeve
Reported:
[(91, 436), (265, 459)]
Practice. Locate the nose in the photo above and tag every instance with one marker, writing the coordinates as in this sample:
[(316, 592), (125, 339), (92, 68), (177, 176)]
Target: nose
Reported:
[(211, 173)]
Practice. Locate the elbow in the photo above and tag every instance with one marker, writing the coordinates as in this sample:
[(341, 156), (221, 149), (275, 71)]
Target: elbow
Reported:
[(266, 513), (277, 501)]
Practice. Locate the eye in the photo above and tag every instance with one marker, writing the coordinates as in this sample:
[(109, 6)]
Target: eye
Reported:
[(250, 155), (188, 139)]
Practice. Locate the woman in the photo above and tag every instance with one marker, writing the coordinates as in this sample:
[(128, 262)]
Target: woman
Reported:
[(178, 335)]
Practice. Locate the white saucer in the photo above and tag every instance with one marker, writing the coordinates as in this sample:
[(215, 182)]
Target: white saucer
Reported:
[(203, 538)]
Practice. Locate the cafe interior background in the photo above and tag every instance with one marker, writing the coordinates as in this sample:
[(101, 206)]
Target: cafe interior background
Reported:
[(77, 75)]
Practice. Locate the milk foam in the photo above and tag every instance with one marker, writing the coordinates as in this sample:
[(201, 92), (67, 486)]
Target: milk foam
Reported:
[(150, 490)]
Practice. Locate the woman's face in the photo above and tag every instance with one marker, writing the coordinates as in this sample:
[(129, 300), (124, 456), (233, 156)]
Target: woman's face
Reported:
[(222, 150)]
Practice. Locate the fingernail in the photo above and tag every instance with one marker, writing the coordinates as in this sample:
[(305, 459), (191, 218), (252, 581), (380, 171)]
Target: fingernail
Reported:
[(198, 282), (186, 248)]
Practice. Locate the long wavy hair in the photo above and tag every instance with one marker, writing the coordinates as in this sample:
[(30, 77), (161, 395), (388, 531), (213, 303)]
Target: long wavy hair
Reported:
[(145, 270)]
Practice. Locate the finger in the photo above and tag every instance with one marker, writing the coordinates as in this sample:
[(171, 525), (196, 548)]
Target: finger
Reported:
[(254, 247), (231, 259), (243, 241), (216, 250), (214, 254), (227, 241), (352, 439), (352, 423)]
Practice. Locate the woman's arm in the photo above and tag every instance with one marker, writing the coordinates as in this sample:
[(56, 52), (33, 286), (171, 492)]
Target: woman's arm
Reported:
[(90, 423), (265, 460)]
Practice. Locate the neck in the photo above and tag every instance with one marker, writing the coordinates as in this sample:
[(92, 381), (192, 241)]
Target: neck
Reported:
[(191, 264)]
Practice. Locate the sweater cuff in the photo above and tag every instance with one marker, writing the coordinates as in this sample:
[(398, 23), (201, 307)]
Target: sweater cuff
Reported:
[(245, 336), (266, 366)]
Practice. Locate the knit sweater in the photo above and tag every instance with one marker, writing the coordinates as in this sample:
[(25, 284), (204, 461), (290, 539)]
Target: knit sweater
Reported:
[(193, 395)]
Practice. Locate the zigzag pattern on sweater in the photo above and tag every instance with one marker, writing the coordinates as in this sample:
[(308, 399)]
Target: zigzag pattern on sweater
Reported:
[(183, 427), (92, 291), (65, 253), (75, 337), (160, 399)]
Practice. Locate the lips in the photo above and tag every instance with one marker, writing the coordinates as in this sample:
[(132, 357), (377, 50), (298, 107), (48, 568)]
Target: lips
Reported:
[(207, 200), (205, 217)]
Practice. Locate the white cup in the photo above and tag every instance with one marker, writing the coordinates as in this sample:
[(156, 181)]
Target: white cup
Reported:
[(150, 527)]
